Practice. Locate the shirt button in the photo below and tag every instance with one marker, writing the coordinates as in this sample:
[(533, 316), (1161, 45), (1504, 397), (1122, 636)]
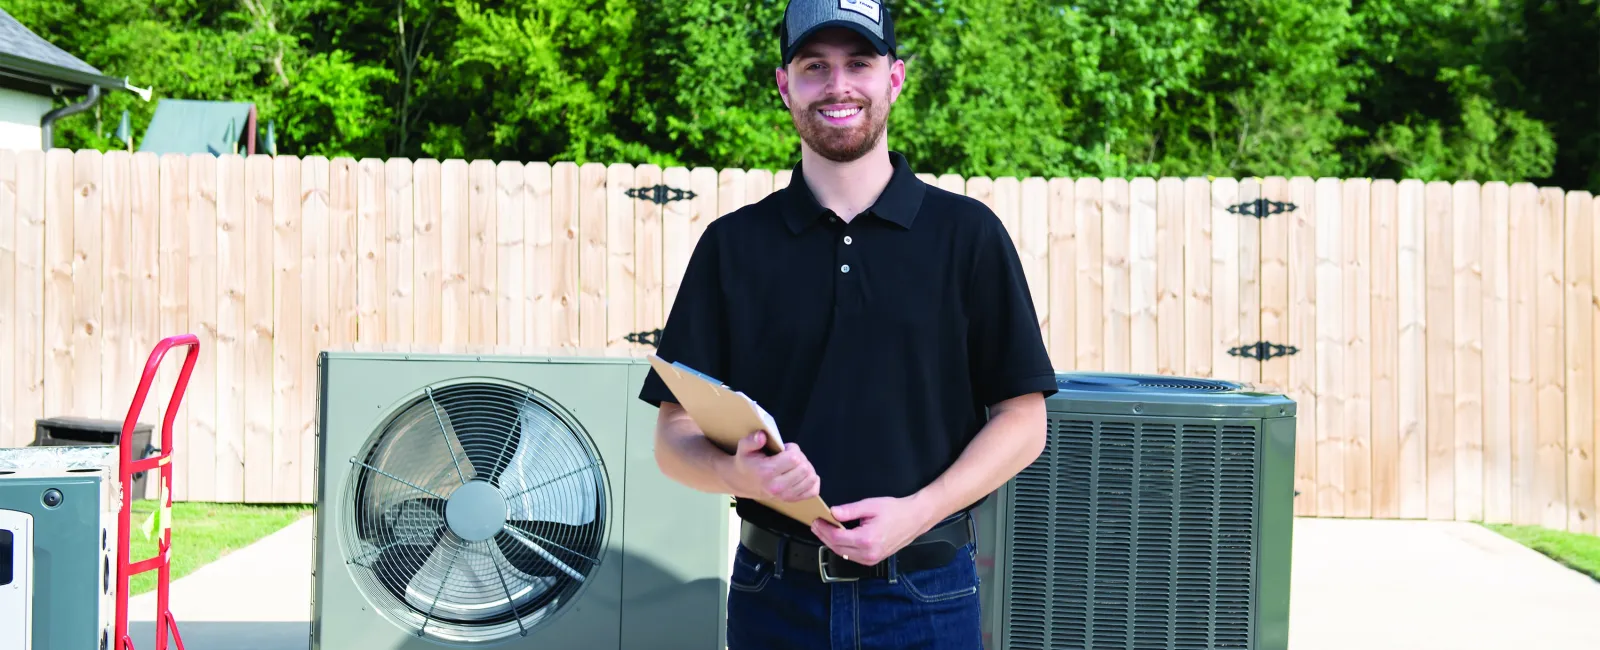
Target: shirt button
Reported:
[(847, 240), (844, 269)]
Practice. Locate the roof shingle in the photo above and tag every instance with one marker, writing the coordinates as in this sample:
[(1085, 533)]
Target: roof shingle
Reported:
[(19, 41)]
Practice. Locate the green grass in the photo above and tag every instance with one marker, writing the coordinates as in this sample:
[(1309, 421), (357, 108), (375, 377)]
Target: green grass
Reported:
[(204, 532), (1576, 550)]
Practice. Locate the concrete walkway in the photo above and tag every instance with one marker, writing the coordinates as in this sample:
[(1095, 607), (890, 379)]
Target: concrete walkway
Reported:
[(1357, 585), (256, 598), (1417, 585)]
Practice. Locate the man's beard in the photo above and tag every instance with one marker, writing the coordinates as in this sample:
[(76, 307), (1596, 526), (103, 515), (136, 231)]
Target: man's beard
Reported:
[(842, 144)]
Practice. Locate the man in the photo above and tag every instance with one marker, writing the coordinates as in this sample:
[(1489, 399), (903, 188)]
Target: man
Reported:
[(887, 326)]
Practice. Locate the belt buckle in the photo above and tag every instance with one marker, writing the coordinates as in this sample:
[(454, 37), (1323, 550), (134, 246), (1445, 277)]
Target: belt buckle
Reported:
[(822, 567)]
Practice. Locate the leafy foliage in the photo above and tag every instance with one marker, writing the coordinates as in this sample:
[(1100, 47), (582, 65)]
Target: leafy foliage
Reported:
[(1441, 89)]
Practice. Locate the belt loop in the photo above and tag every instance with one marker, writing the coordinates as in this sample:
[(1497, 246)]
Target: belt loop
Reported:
[(894, 570), (782, 557)]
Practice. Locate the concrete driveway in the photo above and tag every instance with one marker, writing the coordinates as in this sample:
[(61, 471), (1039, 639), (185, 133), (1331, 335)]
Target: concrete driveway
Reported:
[(1358, 585), (257, 598), (1420, 585)]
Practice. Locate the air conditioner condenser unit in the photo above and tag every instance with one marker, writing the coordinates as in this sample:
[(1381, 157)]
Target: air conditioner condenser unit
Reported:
[(505, 500), (1159, 516)]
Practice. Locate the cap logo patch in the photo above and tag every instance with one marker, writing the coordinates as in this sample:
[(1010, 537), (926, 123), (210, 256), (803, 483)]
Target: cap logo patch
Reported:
[(868, 8)]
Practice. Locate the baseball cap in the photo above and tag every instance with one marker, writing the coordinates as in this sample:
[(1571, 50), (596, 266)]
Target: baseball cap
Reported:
[(803, 18)]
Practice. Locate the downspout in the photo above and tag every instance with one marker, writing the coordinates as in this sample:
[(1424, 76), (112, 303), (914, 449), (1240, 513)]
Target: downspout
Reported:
[(47, 122)]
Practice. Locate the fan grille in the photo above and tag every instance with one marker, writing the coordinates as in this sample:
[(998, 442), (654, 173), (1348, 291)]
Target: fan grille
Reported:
[(475, 513), (1137, 534)]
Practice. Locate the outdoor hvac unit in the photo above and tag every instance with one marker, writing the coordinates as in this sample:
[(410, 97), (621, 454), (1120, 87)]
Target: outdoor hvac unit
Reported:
[(1158, 517), (515, 500), (16, 580), (69, 497)]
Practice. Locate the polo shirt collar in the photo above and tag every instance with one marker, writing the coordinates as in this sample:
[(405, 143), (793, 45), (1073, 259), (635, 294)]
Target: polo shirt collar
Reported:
[(899, 203)]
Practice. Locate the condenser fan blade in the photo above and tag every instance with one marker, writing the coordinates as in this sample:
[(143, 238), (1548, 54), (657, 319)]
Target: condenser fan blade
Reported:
[(452, 442), (396, 540), (551, 477), (485, 426), (544, 553), (463, 581), (553, 497), (421, 451)]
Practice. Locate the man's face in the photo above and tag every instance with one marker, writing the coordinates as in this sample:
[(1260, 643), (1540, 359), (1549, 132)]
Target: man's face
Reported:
[(839, 90)]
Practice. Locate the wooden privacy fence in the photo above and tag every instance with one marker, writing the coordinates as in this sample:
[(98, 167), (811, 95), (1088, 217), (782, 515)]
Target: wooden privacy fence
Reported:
[(1440, 338)]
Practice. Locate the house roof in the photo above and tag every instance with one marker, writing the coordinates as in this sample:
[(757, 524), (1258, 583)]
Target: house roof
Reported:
[(37, 63), (17, 40)]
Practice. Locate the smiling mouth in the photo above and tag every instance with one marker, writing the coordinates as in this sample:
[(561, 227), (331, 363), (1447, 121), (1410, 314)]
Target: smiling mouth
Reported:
[(842, 115)]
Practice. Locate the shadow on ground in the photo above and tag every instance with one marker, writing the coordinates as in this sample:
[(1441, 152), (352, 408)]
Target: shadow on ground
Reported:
[(228, 635)]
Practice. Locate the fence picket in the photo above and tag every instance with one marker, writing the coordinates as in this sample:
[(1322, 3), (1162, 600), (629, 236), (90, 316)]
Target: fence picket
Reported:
[(30, 351), (316, 309), (1063, 251), (1170, 300), (1275, 281), (1581, 384), (1385, 329), (1143, 236), (289, 379), (11, 431), (119, 371), (1091, 302), (511, 230), (202, 397), (1303, 317), (647, 254), (1550, 476), (1497, 344), (1467, 233), (1226, 279), (1333, 426), (1357, 307), (1248, 260)]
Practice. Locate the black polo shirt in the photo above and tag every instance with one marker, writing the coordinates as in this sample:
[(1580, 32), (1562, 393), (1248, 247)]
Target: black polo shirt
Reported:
[(877, 345)]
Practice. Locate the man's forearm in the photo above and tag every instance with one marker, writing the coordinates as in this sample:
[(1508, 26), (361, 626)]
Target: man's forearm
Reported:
[(1007, 444), (685, 455)]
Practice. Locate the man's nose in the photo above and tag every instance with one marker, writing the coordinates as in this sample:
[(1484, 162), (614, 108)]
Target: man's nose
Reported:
[(838, 82)]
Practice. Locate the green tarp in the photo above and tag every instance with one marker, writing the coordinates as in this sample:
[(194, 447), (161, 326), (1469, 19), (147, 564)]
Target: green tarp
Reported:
[(193, 126)]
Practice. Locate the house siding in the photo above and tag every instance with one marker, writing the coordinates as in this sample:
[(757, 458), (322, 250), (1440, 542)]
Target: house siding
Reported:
[(19, 119)]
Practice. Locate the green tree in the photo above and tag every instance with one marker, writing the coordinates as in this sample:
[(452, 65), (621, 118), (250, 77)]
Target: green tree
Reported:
[(1486, 90)]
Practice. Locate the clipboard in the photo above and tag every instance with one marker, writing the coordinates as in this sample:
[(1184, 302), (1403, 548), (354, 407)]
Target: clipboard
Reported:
[(727, 416)]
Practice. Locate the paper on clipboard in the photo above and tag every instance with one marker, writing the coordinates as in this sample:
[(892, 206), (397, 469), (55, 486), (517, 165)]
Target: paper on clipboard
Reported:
[(727, 416)]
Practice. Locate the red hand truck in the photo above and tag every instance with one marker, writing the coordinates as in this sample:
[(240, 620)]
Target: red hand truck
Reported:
[(161, 563)]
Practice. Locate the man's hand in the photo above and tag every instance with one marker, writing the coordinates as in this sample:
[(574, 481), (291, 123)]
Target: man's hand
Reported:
[(786, 476), (887, 525), (684, 454)]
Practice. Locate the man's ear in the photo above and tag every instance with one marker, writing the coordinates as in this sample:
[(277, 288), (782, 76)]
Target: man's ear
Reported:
[(783, 84), (897, 79)]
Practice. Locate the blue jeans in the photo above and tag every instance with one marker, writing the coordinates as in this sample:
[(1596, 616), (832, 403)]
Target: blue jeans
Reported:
[(777, 608)]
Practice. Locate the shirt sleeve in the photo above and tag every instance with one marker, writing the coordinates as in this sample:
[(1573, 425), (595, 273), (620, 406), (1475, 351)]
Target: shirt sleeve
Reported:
[(1008, 357), (696, 330)]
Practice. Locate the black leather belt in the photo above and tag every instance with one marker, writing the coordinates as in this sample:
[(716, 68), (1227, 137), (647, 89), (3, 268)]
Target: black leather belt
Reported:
[(935, 548)]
